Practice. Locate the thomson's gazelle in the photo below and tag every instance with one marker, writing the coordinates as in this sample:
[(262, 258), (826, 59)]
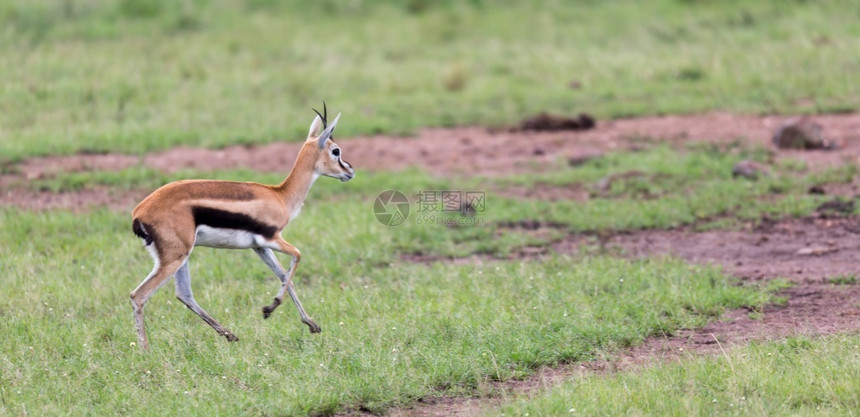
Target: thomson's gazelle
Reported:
[(237, 215)]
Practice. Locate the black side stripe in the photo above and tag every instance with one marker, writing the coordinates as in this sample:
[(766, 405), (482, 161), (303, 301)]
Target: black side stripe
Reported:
[(223, 219)]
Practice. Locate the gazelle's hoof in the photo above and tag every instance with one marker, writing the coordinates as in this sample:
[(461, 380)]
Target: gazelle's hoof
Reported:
[(314, 328), (267, 310), (231, 337)]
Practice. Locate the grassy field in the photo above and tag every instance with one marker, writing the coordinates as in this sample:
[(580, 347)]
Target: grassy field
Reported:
[(134, 76), (391, 333), (795, 377), (140, 75)]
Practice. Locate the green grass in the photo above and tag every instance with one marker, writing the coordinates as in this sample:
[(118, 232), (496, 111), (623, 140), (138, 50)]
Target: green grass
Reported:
[(139, 75), (135, 76), (408, 331), (675, 187), (796, 377), (391, 333), (843, 280)]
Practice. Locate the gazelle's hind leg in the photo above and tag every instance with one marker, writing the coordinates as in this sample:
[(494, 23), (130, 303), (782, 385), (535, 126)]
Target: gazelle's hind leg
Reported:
[(286, 278), (183, 293), (158, 277)]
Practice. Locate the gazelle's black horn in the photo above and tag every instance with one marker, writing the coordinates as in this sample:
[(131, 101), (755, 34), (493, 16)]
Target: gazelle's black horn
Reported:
[(321, 116)]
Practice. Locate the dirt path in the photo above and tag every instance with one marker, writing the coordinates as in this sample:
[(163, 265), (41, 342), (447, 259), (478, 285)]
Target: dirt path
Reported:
[(477, 151), (810, 253), (458, 151), (735, 328)]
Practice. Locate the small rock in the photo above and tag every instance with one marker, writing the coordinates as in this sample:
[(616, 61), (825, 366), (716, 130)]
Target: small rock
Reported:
[(837, 205), (749, 169), (549, 122), (815, 251), (586, 121), (800, 133), (817, 189), (529, 224), (538, 151)]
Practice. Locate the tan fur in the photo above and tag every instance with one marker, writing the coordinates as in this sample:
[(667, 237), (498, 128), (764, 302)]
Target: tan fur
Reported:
[(166, 215)]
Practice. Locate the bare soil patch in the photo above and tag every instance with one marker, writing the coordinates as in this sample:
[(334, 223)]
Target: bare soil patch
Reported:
[(808, 252), (801, 250), (477, 151), (77, 201), (458, 151)]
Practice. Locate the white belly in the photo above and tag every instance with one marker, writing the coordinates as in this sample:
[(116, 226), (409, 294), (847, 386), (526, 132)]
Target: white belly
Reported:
[(227, 238)]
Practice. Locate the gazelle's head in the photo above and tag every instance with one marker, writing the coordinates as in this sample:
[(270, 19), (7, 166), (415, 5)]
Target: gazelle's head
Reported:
[(329, 160)]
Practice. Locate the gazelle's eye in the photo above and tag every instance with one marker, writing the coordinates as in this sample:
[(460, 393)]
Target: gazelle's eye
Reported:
[(335, 151)]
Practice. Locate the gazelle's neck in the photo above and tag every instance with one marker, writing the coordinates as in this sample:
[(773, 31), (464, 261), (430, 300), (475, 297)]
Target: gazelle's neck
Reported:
[(295, 187)]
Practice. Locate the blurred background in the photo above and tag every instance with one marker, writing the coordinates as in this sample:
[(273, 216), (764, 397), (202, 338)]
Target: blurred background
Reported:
[(133, 76)]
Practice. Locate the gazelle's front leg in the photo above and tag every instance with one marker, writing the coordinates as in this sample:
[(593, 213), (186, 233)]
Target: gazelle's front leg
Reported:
[(286, 278)]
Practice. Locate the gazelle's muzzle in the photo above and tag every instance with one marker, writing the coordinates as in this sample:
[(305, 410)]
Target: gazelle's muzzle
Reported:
[(348, 173)]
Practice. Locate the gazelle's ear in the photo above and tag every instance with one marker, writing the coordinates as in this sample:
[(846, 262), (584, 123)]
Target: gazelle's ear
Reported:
[(316, 127), (327, 132)]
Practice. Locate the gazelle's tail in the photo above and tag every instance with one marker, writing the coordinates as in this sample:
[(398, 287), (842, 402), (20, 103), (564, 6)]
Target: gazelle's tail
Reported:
[(140, 230)]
